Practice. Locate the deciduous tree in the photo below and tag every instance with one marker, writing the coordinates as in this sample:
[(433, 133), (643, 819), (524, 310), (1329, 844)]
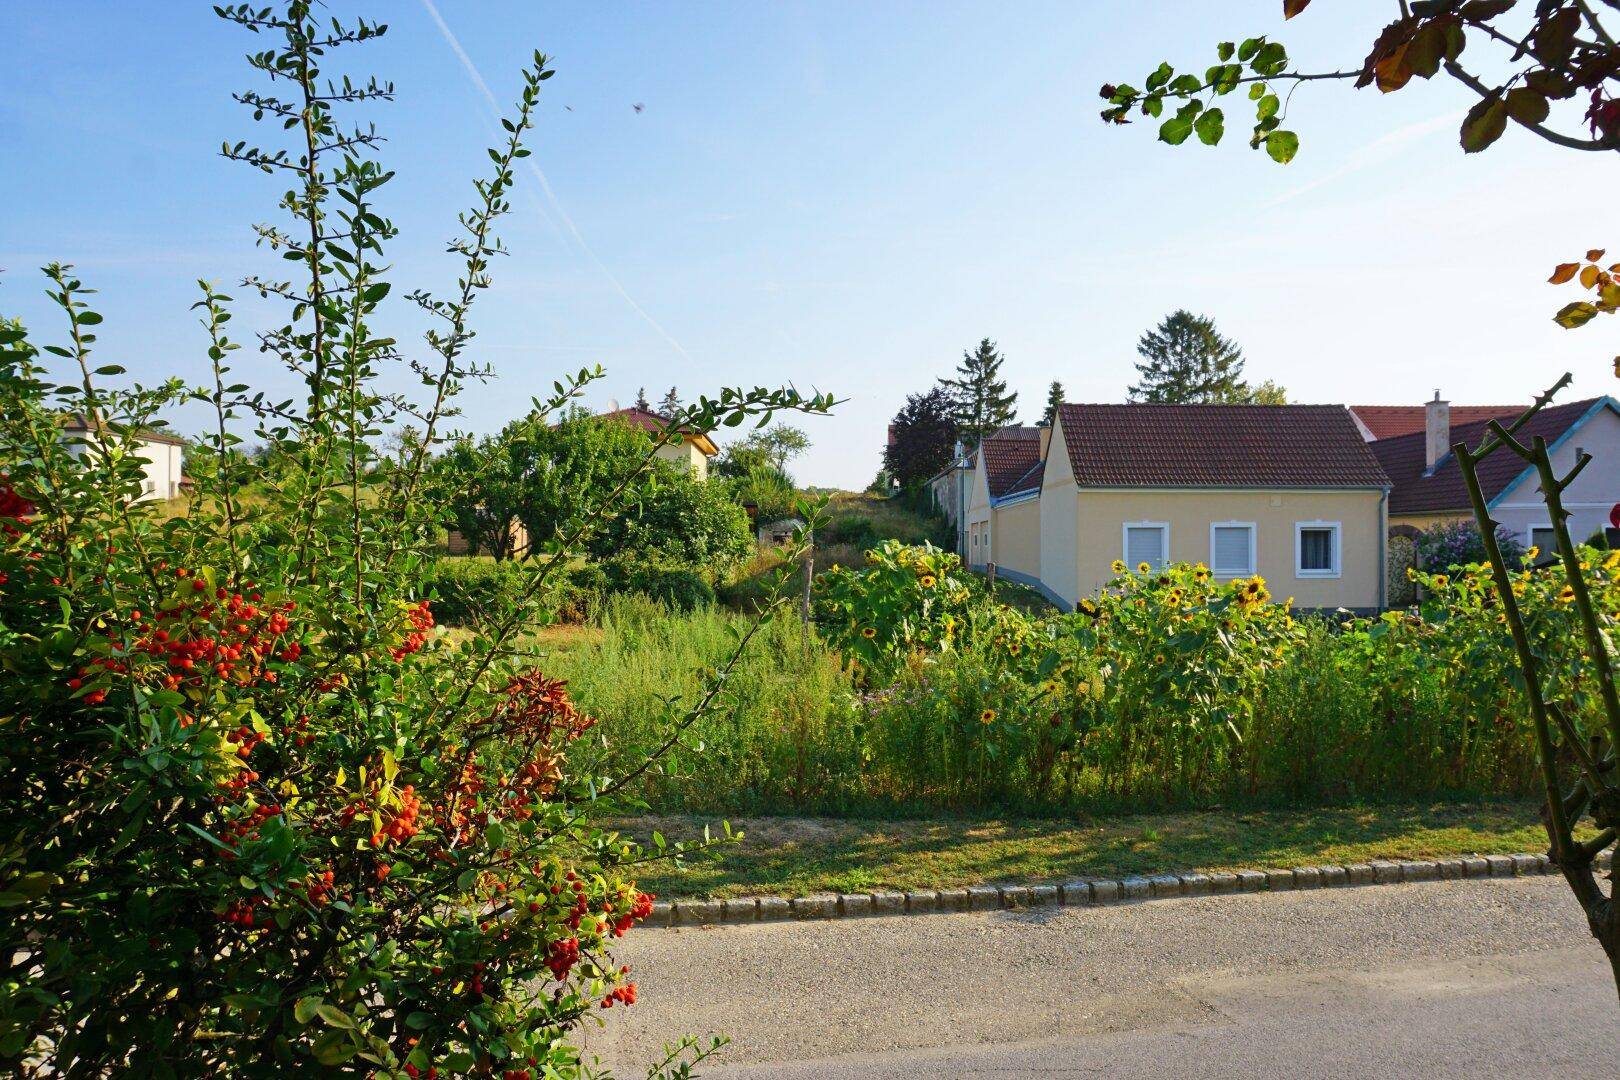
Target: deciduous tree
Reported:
[(922, 437)]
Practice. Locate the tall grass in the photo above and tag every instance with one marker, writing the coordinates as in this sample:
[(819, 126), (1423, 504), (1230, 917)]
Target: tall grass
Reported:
[(781, 739)]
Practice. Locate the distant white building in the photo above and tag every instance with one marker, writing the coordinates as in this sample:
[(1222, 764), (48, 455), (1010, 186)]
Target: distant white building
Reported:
[(161, 454)]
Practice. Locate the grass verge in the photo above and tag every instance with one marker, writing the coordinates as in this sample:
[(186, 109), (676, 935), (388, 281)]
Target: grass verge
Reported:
[(796, 856)]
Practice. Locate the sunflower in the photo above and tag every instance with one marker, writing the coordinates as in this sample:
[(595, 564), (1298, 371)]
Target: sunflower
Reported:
[(927, 581), (1143, 568), (1531, 553), (987, 716), (1086, 607), (1117, 566), (868, 632), (1158, 659), (1566, 595)]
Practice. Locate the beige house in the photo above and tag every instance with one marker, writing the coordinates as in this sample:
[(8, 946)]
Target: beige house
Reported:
[(1002, 518), (162, 456), (694, 450), (1289, 492)]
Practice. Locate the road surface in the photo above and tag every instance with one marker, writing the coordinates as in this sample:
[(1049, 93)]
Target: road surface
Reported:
[(1444, 979)]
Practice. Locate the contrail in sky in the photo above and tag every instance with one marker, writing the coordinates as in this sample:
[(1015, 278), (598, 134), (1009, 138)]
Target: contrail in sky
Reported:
[(545, 185)]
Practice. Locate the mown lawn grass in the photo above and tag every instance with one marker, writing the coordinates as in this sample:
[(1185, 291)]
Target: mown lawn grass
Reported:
[(796, 856)]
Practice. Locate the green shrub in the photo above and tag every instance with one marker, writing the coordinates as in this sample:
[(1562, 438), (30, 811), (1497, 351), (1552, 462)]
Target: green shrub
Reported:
[(676, 588), (258, 817), (465, 589), (679, 521)]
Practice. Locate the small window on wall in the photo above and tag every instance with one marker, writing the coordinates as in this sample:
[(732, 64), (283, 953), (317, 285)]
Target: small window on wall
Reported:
[(1543, 540), (1231, 548), (1147, 542), (1316, 549)]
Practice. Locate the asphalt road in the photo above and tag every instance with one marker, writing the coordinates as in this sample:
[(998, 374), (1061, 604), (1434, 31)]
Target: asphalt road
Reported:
[(1448, 979)]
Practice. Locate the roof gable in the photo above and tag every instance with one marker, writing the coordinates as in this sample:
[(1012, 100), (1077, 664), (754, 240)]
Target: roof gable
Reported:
[(1218, 446), (1008, 456)]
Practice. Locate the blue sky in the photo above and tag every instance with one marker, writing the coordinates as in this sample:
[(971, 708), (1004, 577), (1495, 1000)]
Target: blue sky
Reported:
[(840, 195)]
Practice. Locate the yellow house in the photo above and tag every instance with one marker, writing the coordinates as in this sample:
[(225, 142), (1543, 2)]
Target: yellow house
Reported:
[(1002, 519), (694, 450), (1290, 492)]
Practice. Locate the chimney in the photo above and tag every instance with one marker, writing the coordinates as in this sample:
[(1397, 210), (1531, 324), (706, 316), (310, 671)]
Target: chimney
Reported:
[(1437, 432), (1046, 438)]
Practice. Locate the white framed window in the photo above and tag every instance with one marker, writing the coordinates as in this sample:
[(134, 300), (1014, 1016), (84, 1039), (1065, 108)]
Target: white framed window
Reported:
[(1147, 542), (1317, 551), (1231, 548), (1542, 538)]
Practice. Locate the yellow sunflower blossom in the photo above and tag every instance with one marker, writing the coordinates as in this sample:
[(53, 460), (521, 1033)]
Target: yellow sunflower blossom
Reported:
[(987, 716), (868, 632), (926, 581), (1143, 568), (1566, 595), (1117, 566)]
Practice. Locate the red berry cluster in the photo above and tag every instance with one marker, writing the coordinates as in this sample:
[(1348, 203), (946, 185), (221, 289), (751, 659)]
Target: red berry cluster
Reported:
[(640, 908), (240, 912), (320, 887), (421, 621), (402, 826), (227, 637), (625, 994), (13, 506), (561, 956)]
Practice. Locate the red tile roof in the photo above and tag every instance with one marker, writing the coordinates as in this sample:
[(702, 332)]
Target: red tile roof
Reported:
[(654, 424), (1009, 454), (1264, 446), (1388, 421), (1404, 460)]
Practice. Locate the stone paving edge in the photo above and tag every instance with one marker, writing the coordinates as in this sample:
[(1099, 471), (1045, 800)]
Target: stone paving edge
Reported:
[(1090, 892)]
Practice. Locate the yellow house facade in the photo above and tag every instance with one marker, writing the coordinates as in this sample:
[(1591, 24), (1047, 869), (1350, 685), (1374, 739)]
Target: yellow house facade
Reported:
[(1291, 493), (1003, 505)]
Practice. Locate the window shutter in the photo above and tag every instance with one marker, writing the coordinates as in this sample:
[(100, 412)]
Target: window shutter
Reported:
[(1144, 545), (1230, 550)]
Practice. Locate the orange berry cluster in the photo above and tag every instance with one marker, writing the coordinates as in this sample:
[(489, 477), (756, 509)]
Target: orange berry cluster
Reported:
[(421, 621)]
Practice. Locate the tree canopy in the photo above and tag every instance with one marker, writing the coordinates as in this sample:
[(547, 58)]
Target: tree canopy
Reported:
[(1186, 361), (922, 437)]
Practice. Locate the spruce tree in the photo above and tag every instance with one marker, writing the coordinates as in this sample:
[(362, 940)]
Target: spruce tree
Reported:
[(980, 400), (1054, 398), (671, 403), (641, 400), (1185, 361)]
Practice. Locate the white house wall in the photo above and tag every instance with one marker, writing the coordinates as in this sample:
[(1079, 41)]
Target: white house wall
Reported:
[(1588, 500)]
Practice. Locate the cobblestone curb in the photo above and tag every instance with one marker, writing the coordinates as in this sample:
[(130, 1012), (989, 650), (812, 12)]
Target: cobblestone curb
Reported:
[(1092, 891)]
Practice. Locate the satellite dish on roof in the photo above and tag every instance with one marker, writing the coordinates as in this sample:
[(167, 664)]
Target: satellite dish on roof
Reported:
[(613, 405)]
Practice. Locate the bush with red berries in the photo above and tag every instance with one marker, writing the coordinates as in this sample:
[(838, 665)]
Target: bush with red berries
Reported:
[(258, 815)]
